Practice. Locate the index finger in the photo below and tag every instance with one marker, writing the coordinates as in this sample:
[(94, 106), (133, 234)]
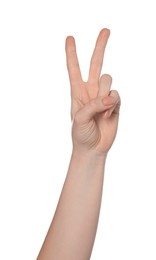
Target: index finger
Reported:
[(97, 57), (72, 62)]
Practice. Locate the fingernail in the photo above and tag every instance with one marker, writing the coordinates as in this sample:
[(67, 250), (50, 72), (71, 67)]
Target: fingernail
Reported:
[(108, 101)]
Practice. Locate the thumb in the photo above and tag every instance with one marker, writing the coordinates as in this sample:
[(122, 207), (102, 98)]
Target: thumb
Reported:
[(93, 107)]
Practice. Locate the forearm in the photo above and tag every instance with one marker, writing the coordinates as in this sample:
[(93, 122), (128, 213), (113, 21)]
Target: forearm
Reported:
[(73, 229), (95, 113)]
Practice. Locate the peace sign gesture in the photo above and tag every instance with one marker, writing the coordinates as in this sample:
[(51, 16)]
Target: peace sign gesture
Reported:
[(94, 108)]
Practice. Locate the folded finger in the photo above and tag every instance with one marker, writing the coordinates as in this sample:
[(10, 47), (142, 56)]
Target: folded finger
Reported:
[(105, 85), (115, 109)]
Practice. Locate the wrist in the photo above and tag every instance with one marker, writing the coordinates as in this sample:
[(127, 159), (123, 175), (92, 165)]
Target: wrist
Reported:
[(88, 156), (87, 164)]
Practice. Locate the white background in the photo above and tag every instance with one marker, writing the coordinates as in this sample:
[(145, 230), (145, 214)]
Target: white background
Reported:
[(35, 127)]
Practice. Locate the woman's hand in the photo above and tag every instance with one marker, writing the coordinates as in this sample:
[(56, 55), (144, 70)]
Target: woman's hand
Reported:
[(94, 108)]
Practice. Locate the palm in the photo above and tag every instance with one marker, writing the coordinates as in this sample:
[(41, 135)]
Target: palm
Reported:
[(82, 96), (83, 92)]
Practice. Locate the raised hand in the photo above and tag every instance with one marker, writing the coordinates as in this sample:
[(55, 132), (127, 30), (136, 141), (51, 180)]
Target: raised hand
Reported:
[(94, 107)]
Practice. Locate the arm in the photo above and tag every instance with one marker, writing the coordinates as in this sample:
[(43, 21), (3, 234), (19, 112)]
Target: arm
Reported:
[(94, 111)]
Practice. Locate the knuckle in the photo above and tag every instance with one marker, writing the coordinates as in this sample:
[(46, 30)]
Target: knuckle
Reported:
[(107, 77), (115, 94)]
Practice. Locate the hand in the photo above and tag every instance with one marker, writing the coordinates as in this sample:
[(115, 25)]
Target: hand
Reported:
[(94, 108)]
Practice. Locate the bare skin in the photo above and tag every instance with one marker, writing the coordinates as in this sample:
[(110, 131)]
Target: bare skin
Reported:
[(95, 114)]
